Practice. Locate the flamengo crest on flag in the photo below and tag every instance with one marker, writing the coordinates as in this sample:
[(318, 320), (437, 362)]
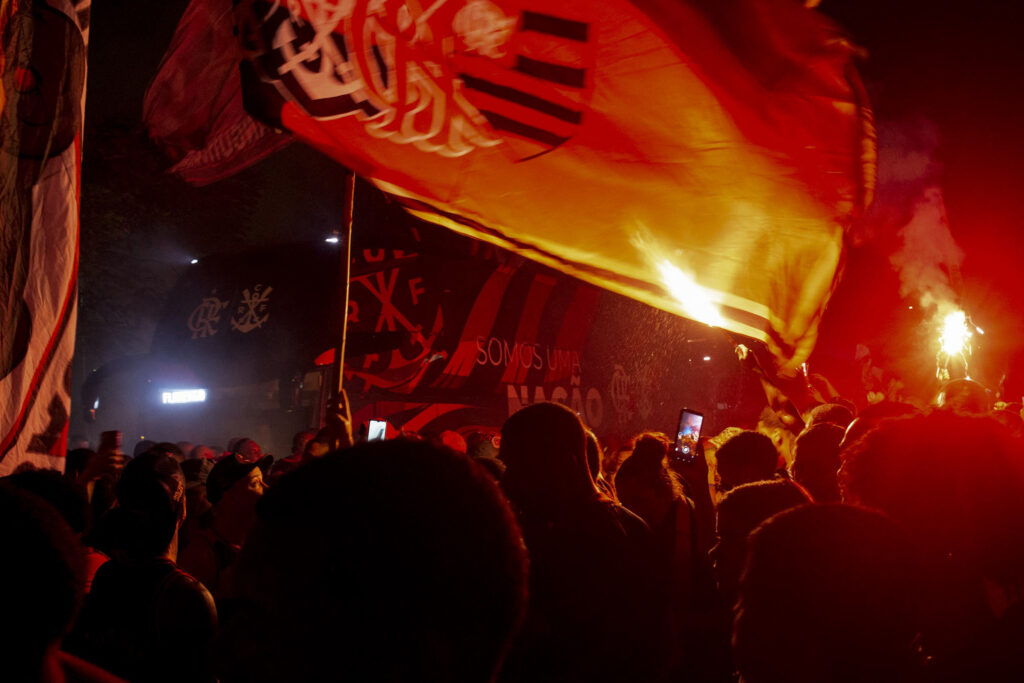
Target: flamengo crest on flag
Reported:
[(701, 157), (416, 94), (41, 108)]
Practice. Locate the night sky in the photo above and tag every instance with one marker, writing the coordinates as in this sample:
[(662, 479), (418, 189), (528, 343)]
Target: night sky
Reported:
[(945, 79)]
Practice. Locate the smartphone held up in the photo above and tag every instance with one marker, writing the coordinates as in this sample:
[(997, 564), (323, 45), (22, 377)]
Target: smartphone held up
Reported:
[(687, 435), (377, 430)]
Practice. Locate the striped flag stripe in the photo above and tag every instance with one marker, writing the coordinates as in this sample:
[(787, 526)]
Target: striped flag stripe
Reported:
[(522, 98), (555, 73), (563, 96), (532, 119), (508, 125), (555, 26)]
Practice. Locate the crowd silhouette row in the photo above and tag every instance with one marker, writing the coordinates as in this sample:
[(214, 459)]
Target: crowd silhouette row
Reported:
[(884, 545)]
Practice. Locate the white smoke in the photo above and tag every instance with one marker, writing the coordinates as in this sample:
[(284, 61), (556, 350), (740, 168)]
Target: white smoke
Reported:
[(927, 257)]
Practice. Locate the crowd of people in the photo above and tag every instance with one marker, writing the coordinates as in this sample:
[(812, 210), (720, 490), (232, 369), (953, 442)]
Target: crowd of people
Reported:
[(885, 545)]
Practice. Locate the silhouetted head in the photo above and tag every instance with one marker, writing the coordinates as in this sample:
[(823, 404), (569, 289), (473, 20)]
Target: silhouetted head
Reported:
[(300, 440), (42, 576), (649, 451), (965, 396), (151, 504), (196, 471), (544, 448), (833, 414), (58, 491), (202, 452), (171, 449), (816, 461), (453, 440), (872, 416), (828, 594), (481, 445), (390, 561), (249, 450), (643, 481), (830, 413), (317, 447), (846, 403), (747, 457), (955, 482), (739, 513), (236, 478)]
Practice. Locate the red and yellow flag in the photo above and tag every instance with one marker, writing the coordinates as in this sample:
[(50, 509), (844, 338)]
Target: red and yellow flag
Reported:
[(42, 98), (703, 157)]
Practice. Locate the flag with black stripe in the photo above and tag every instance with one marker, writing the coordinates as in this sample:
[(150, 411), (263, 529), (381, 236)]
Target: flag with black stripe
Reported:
[(537, 95), (702, 157)]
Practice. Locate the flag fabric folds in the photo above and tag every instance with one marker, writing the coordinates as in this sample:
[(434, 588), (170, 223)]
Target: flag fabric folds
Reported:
[(703, 157), (41, 113), (193, 109)]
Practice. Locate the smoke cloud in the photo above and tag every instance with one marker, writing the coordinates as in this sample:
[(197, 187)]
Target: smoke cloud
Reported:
[(926, 256), (928, 259)]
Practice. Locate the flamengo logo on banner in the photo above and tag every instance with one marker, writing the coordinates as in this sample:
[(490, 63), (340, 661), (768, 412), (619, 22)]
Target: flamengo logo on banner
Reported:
[(251, 313), (205, 317), (254, 303)]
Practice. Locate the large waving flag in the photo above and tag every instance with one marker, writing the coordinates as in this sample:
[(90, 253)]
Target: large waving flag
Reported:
[(41, 107), (701, 156)]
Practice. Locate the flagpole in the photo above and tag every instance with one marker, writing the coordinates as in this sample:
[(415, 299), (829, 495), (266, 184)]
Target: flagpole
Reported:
[(343, 284), (336, 418)]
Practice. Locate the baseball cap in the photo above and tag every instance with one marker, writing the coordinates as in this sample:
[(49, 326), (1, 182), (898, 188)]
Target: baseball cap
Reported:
[(230, 469)]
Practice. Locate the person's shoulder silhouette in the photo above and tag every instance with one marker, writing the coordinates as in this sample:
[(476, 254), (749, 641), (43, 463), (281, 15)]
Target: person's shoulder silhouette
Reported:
[(393, 560)]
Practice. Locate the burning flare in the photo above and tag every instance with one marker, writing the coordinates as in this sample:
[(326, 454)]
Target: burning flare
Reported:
[(695, 302), (693, 298), (955, 335), (954, 342)]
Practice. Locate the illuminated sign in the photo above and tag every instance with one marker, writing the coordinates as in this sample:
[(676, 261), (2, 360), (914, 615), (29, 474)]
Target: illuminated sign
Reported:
[(184, 396)]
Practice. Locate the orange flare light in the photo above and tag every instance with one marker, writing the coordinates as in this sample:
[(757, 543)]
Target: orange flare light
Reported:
[(695, 302), (955, 334), (694, 299)]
